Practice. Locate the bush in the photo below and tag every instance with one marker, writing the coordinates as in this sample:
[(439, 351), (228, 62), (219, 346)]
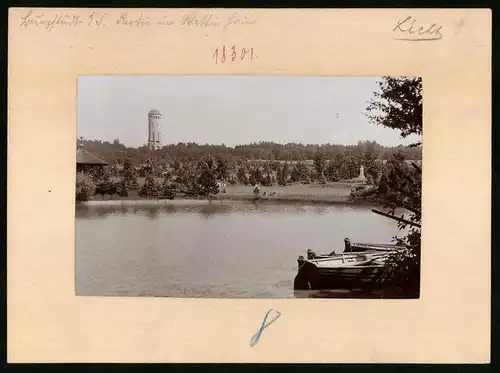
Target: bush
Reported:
[(169, 190), (122, 189), (207, 181), (150, 188), (85, 187), (130, 180), (104, 187)]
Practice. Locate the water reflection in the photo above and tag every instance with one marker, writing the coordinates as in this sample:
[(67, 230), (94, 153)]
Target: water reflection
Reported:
[(209, 210), (204, 208)]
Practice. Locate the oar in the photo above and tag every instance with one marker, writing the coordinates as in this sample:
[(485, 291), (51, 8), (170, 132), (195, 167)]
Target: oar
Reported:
[(396, 218)]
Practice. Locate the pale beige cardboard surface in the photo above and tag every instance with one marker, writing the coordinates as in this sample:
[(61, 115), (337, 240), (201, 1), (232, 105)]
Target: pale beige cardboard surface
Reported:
[(451, 321)]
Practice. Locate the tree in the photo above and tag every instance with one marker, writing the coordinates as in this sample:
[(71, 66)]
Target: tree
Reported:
[(188, 180), (177, 166), (398, 105), (150, 188), (332, 171), (373, 167), (267, 180), (279, 174), (285, 174), (100, 174), (319, 165), (207, 180), (300, 173), (401, 187), (115, 152), (221, 168), (349, 167), (104, 187), (256, 176), (242, 176), (130, 176), (169, 189), (85, 187), (122, 188)]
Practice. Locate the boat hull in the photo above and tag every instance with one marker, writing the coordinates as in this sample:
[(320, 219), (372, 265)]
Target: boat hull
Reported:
[(361, 266), (366, 277)]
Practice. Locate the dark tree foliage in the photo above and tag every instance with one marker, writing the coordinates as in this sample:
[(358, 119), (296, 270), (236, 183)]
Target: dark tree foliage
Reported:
[(100, 174), (169, 189), (106, 187), (332, 171), (150, 188), (285, 174), (188, 181), (373, 168), (222, 171), (242, 176), (130, 175), (122, 188), (349, 167), (256, 176), (398, 105), (300, 173), (183, 153), (319, 165), (267, 180), (207, 180), (85, 187), (401, 187)]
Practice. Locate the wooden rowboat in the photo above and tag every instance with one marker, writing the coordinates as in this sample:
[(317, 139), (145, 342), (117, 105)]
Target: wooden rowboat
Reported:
[(363, 270), (356, 247)]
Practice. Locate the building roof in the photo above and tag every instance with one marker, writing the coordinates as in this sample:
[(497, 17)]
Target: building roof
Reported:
[(154, 112), (85, 157)]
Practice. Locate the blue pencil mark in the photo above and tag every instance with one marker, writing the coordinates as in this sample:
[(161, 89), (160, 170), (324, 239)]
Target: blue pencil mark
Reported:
[(264, 325)]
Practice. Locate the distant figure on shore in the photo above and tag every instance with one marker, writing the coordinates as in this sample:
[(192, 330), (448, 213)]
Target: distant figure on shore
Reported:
[(222, 187), (256, 190)]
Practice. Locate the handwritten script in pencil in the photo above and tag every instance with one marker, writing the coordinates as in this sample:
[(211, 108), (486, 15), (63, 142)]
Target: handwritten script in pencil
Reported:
[(410, 29), (98, 19)]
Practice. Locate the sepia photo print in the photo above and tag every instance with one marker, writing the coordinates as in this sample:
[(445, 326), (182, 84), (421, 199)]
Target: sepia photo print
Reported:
[(248, 186)]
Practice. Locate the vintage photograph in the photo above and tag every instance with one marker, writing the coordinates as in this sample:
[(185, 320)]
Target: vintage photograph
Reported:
[(228, 186)]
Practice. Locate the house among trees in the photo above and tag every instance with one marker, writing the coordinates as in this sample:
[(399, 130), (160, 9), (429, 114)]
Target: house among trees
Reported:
[(88, 162)]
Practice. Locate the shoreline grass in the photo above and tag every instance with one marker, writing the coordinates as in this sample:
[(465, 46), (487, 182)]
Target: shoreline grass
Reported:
[(312, 193)]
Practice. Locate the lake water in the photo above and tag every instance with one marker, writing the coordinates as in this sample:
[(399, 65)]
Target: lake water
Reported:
[(211, 249)]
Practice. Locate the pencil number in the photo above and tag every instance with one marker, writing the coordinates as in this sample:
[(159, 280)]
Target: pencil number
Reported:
[(231, 54)]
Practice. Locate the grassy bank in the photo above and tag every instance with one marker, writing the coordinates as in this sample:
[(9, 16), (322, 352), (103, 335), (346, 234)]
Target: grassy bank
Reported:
[(334, 193)]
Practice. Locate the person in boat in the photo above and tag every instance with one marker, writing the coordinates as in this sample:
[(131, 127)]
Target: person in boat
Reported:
[(310, 254), (347, 245)]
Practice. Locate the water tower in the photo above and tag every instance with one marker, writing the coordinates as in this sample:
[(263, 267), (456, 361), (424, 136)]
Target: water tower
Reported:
[(154, 129)]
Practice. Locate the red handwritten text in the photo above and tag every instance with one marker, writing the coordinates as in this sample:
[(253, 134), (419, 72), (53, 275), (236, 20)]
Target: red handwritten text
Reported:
[(232, 53)]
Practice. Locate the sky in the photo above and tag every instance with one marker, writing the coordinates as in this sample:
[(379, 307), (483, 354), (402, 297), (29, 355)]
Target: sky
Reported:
[(230, 109)]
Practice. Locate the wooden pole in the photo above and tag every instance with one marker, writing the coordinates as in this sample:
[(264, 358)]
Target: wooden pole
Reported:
[(396, 218)]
